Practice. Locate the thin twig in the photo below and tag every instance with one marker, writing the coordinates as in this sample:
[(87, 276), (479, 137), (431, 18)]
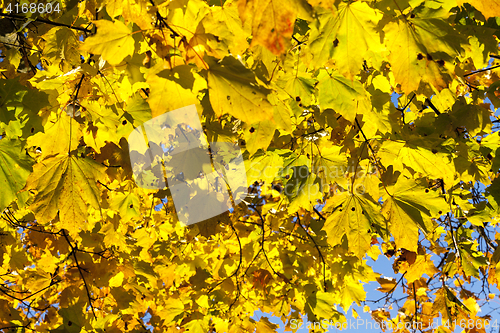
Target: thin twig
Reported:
[(263, 238), (404, 107), (80, 270), (481, 70), (11, 219), (75, 96), (390, 292), (235, 273), (415, 319), (237, 269), (374, 156), (319, 214), (455, 244), (19, 17), (317, 248)]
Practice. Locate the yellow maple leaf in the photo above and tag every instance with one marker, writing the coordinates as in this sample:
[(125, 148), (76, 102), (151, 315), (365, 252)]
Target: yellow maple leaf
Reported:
[(66, 184)]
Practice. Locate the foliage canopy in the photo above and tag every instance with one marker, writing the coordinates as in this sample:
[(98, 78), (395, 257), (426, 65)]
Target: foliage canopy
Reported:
[(299, 86)]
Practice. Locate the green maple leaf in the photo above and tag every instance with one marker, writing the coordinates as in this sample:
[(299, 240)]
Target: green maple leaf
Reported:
[(61, 44), (15, 167), (321, 305), (472, 259)]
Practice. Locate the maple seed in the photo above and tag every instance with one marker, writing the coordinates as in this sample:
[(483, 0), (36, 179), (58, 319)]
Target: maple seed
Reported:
[(420, 56), (252, 130)]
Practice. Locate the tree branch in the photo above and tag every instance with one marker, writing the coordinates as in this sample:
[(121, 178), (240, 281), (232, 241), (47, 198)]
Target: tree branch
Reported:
[(22, 18), (80, 270), (404, 107), (237, 268), (482, 70), (11, 219), (319, 214), (390, 292)]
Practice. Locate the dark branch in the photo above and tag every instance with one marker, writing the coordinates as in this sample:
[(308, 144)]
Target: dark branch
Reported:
[(482, 70), (19, 17), (317, 248), (429, 103), (319, 214), (390, 292)]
